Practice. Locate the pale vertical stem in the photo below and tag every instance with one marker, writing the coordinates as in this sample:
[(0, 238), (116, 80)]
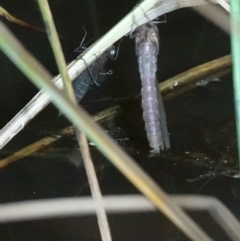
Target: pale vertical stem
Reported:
[(235, 40), (56, 46), (92, 178), (95, 190)]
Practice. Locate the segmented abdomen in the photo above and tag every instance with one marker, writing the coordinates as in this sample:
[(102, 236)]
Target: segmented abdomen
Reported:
[(91, 74), (151, 116), (82, 82), (147, 47)]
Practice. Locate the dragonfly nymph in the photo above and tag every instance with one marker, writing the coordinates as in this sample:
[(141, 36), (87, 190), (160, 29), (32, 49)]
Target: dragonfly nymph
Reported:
[(147, 48)]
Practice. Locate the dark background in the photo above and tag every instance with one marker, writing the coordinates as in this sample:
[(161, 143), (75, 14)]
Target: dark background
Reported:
[(186, 40)]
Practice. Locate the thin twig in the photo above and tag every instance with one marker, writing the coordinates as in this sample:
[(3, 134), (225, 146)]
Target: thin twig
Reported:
[(4, 13)]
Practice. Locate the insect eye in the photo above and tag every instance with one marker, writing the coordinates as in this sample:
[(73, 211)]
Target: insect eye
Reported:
[(112, 52)]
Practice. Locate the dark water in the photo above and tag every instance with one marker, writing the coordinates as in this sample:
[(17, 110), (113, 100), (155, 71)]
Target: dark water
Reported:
[(201, 124)]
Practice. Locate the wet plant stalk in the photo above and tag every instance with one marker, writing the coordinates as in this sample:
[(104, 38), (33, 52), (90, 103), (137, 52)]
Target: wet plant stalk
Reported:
[(83, 143), (235, 41), (42, 79)]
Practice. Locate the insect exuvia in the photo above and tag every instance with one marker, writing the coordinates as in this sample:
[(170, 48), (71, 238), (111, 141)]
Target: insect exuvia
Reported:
[(147, 48)]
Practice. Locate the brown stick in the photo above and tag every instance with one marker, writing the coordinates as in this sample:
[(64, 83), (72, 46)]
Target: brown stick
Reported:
[(47, 141), (191, 76), (5, 14)]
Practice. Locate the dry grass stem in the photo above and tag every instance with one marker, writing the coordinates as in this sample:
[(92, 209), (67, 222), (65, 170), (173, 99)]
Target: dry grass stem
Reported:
[(216, 15), (95, 189), (84, 206), (5, 14), (91, 174), (49, 140), (191, 76)]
